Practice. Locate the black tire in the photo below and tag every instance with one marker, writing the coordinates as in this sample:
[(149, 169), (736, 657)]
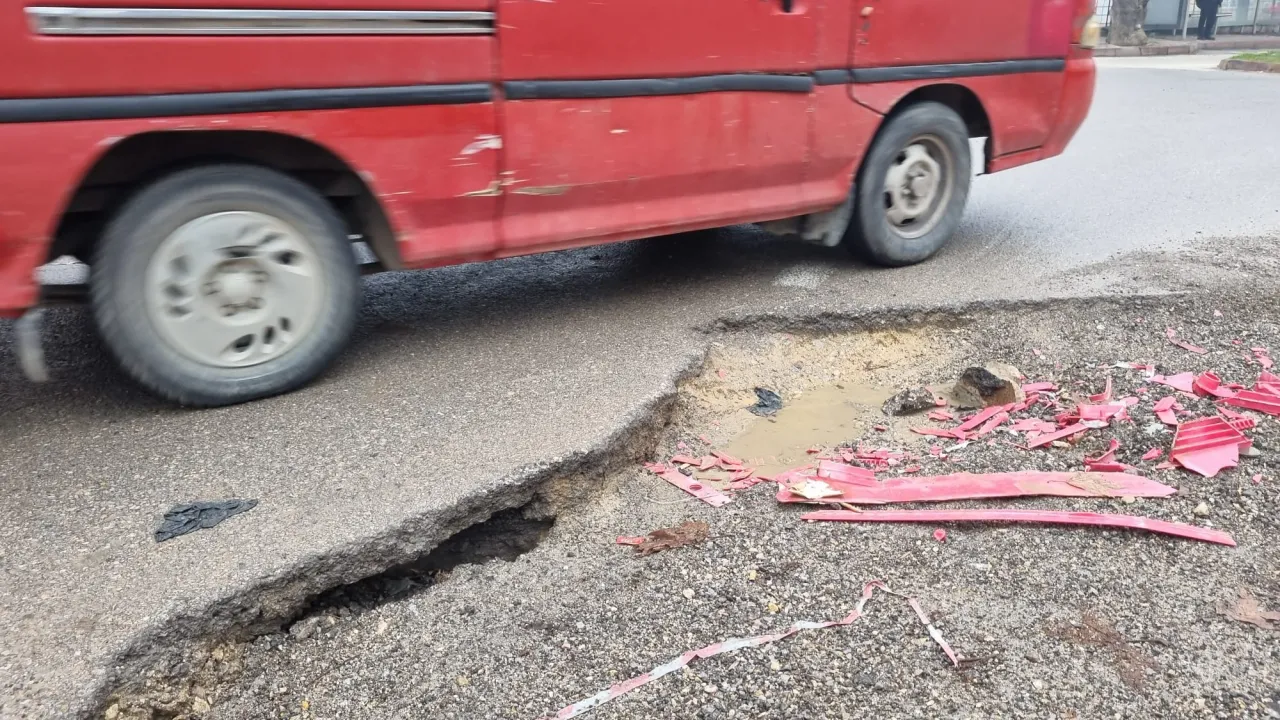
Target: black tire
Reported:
[(136, 233), (871, 235)]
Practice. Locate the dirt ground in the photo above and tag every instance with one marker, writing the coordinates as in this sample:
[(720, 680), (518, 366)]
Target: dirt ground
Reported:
[(1054, 622)]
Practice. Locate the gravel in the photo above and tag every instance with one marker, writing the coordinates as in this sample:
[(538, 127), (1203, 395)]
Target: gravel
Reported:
[(1057, 622)]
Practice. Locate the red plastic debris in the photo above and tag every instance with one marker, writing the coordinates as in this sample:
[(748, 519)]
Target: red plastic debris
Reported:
[(619, 689), (1208, 384), (1207, 445), (940, 415), (629, 540), (938, 432), (1153, 453), (705, 440), (1064, 432), (1039, 387), (881, 428), (1263, 357), (1263, 402), (1165, 408), (720, 373), (940, 535), (1104, 396), (980, 417), (912, 469), (1032, 425), (726, 457), (1236, 420), (1267, 383), (1106, 462), (1257, 479), (991, 424), (1166, 465), (1184, 382), (1173, 338), (843, 472), (1036, 516), (1101, 413), (967, 486), (685, 460), (709, 495)]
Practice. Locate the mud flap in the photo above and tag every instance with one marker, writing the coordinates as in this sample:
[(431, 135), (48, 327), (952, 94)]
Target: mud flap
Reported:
[(26, 333)]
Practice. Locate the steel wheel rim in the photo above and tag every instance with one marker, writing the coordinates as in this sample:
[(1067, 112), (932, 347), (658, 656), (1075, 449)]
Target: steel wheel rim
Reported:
[(234, 289), (918, 186)]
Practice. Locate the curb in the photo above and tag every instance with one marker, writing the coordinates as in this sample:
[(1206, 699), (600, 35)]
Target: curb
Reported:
[(1190, 47), (1249, 66)]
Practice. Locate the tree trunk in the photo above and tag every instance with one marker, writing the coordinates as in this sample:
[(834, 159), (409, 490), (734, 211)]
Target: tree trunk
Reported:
[(1127, 17)]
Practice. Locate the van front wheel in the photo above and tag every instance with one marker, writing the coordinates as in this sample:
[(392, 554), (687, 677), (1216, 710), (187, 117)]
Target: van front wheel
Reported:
[(911, 190), (225, 283)]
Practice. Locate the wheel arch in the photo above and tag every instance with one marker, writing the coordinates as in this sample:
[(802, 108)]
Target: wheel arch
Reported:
[(137, 160), (962, 100)]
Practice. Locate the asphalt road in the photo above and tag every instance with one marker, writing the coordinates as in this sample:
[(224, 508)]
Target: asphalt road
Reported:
[(468, 385)]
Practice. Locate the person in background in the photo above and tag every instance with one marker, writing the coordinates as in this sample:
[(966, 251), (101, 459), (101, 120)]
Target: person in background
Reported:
[(1208, 18)]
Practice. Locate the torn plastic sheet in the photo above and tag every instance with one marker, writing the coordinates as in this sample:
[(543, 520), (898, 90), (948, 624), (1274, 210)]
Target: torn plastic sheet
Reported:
[(1165, 408), (967, 486), (1173, 338), (1207, 445), (1153, 454), (1039, 387), (1184, 382), (1058, 435), (707, 494), (843, 472), (733, 645), (1034, 516)]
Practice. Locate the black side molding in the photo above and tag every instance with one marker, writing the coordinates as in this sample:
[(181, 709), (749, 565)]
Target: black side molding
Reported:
[(646, 87), (114, 107), (955, 70), (839, 76)]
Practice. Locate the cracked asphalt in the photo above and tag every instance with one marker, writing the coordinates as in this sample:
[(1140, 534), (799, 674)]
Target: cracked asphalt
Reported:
[(468, 386), (1054, 622)]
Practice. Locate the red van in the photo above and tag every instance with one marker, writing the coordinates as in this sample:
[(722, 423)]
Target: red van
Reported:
[(213, 160)]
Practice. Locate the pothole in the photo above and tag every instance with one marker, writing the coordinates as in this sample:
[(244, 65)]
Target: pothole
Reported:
[(505, 536)]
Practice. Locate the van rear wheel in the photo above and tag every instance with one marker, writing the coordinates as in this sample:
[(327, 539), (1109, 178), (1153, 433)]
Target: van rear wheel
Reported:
[(223, 284), (912, 187)]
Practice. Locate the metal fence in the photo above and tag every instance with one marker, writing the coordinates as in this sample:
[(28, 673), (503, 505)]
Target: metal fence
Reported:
[(1234, 16)]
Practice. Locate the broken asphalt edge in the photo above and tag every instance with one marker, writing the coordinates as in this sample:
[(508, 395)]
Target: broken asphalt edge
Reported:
[(904, 317), (262, 607)]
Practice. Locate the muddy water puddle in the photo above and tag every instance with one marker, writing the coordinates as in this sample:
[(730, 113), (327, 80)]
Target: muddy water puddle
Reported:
[(822, 417)]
